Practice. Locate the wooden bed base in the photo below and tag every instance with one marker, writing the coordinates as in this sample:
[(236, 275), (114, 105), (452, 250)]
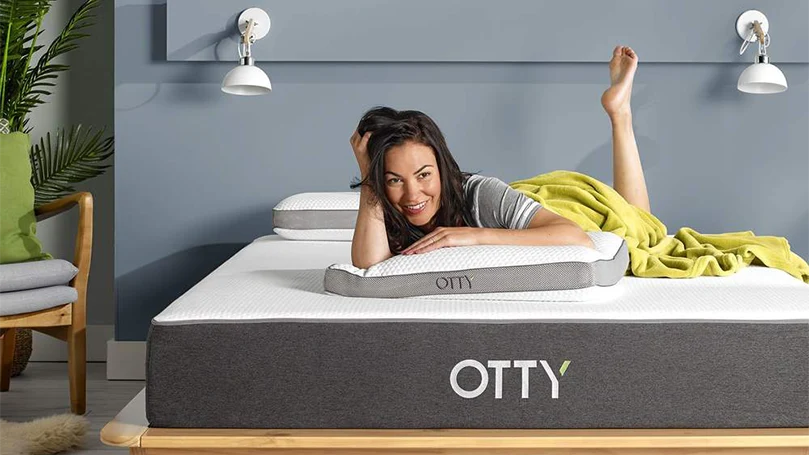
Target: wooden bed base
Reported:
[(130, 429)]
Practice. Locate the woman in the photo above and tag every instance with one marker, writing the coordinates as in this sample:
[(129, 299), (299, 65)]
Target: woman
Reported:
[(414, 198)]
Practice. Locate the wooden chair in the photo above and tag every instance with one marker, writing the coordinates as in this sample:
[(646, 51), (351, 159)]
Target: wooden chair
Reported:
[(65, 322)]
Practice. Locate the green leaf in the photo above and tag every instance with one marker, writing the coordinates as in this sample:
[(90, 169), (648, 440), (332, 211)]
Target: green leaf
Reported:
[(71, 158), (19, 25), (18, 18)]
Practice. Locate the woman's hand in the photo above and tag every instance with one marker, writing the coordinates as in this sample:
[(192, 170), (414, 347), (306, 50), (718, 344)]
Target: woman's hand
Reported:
[(360, 146), (447, 236)]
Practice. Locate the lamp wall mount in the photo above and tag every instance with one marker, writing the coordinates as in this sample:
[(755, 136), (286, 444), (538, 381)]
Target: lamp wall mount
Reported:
[(261, 23)]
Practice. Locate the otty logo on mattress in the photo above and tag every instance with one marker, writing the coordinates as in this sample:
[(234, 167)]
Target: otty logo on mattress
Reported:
[(500, 365), (454, 282)]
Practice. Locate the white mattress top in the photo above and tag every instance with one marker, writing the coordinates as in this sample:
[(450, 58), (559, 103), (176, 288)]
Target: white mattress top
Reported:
[(273, 279)]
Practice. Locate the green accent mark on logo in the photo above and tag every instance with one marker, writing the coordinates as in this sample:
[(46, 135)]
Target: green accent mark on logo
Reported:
[(564, 367)]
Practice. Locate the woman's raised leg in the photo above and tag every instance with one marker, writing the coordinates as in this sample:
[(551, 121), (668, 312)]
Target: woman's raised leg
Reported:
[(627, 171)]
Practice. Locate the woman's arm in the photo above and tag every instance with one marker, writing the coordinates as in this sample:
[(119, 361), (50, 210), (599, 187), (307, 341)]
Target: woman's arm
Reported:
[(370, 243), (546, 228)]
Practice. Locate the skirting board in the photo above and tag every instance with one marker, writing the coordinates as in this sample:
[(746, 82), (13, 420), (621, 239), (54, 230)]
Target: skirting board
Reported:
[(45, 348), (126, 360)]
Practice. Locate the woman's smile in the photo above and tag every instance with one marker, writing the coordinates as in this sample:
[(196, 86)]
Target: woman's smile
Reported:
[(415, 209)]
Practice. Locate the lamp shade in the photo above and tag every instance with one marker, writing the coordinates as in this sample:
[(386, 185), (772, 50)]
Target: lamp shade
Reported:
[(762, 78), (246, 80)]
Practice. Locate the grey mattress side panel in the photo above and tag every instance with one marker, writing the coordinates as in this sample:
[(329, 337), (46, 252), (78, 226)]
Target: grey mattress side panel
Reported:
[(536, 277), (399, 375), (314, 219)]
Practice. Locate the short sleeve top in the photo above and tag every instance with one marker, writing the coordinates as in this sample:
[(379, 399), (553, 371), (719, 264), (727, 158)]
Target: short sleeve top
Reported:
[(492, 203)]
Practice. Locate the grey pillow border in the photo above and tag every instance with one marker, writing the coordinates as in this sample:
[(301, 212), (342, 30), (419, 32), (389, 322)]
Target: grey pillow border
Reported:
[(314, 219), (520, 278)]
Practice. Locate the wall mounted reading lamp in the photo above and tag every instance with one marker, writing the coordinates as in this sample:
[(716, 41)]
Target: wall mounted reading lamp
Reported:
[(761, 77), (248, 79)]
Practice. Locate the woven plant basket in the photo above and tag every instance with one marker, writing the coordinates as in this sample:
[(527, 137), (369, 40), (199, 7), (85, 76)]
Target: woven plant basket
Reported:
[(22, 351)]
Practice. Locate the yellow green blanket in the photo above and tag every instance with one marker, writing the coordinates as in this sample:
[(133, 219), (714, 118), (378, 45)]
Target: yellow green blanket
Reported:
[(596, 206)]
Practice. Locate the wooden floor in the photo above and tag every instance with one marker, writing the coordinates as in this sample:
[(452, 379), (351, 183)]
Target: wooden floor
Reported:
[(42, 390)]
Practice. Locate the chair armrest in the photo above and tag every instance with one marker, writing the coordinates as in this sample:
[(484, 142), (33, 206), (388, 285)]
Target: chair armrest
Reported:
[(84, 239), (63, 204)]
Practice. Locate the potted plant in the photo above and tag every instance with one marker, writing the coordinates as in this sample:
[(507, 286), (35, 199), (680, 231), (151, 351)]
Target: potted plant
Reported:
[(72, 156)]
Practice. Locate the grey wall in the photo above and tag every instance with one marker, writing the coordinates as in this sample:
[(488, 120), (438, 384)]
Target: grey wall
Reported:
[(198, 171), (84, 94)]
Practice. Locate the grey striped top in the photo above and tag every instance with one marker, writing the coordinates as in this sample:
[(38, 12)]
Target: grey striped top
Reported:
[(494, 204)]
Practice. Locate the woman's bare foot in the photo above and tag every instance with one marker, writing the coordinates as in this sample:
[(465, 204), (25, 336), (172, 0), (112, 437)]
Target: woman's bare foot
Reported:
[(623, 65)]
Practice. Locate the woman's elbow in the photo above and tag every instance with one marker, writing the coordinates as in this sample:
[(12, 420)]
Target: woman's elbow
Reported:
[(364, 263), (575, 235), (361, 263), (580, 237)]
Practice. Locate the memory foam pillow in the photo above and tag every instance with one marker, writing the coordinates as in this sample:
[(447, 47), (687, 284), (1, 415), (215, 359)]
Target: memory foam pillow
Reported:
[(486, 269), (317, 216)]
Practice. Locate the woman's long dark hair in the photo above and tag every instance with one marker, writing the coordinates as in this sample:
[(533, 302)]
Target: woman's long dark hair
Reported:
[(390, 128)]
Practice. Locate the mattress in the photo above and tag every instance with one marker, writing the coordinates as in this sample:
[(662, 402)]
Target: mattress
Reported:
[(259, 344)]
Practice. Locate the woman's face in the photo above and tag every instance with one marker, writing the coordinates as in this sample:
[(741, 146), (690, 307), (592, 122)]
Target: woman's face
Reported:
[(412, 182)]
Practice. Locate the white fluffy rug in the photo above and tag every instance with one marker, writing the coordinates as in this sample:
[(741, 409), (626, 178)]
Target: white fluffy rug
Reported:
[(43, 436)]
